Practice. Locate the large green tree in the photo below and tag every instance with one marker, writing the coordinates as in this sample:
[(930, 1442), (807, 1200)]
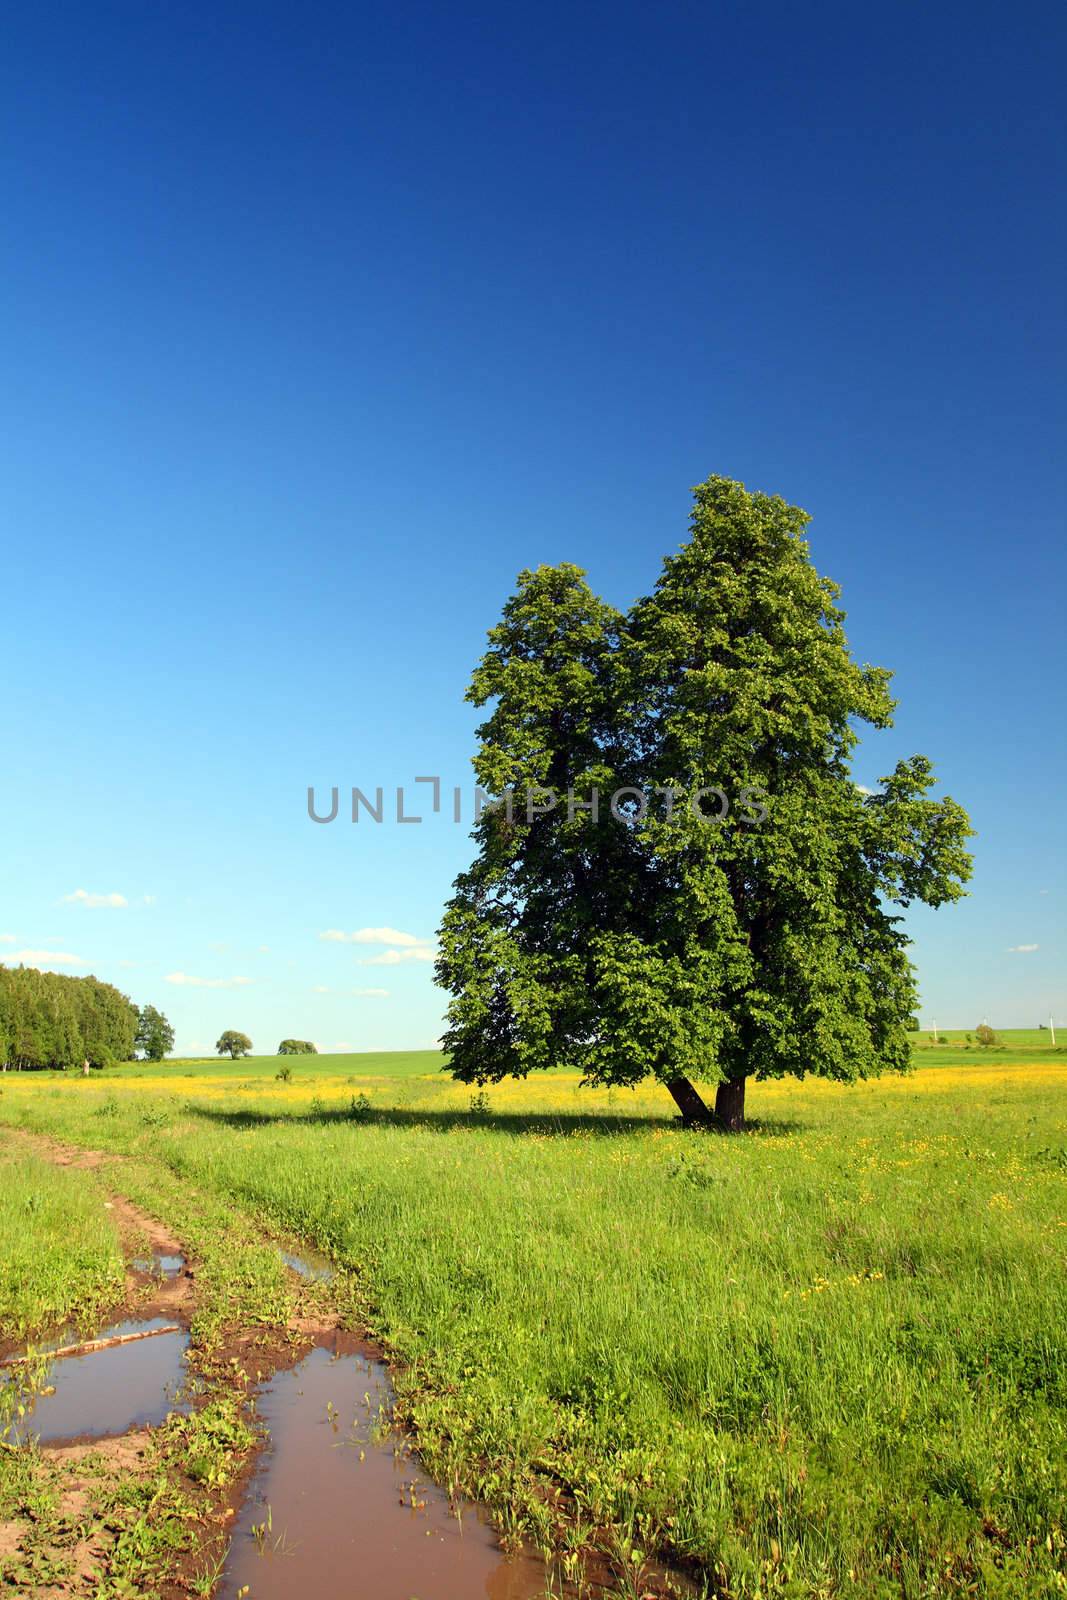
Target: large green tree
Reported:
[(155, 1035), (731, 907)]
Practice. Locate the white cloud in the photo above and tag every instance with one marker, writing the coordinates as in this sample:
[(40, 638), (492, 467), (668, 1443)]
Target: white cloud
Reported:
[(1022, 949), (393, 958), (205, 983), (82, 897), (7, 938), (863, 789), (48, 958), (371, 936), (372, 994), (263, 950)]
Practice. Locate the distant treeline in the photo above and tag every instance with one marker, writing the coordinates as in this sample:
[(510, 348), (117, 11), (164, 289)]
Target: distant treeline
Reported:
[(48, 1020)]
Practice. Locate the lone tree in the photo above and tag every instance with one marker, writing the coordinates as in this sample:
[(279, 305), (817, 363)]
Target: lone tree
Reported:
[(155, 1036), (687, 882), (297, 1047), (234, 1044)]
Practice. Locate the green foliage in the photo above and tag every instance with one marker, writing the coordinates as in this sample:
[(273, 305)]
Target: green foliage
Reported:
[(297, 1047), (233, 1044), (155, 1036), (765, 943), (50, 1020), (985, 1035), (284, 1074)]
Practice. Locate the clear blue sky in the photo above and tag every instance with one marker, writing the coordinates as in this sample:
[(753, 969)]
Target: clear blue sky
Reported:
[(321, 322)]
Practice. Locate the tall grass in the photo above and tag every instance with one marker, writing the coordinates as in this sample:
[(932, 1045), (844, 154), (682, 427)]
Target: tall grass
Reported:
[(828, 1358), (59, 1256)]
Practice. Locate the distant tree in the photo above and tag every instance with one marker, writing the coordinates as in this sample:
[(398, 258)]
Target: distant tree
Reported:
[(985, 1035), (667, 944), (155, 1036), (297, 1047), (234, 1044)]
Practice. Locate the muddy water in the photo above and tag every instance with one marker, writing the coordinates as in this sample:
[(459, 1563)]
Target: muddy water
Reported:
[(107, 1392), (311, 1266), (341, 1514), (160, 1266)]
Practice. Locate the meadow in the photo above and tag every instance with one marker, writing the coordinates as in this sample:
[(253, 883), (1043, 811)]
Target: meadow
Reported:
[(56, 1254), (824, 1358)]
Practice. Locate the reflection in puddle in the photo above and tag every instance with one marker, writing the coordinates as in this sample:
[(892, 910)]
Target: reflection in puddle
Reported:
[(330, 1511), (160, 1266), (107, 1392), (313, 1267)]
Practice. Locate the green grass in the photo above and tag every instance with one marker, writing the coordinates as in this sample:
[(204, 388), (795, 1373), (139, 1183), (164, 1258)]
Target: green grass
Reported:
[(957, 1047), (1013, 1039), (59, 1255), (826, 1359), (370, 1063), (382, 1065)]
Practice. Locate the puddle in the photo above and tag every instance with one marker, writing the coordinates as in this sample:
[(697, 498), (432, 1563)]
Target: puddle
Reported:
[(160, 1266), (106, 1392), (310, 1265), (331, 1511)]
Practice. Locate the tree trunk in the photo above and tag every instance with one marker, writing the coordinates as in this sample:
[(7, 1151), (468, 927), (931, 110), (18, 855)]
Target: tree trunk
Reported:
[(730, 1105), (695, 1114)]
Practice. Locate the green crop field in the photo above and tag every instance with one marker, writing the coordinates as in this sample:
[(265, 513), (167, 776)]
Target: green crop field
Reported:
[(372, 1064), (825, 1358)]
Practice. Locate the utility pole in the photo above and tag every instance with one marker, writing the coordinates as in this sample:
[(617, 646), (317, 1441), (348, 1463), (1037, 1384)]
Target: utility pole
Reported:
[(934, 1025), (1052, 1029)]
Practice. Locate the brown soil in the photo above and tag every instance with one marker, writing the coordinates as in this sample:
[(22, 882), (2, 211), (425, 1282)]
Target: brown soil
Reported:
[(146, 1294), (83, 1475)]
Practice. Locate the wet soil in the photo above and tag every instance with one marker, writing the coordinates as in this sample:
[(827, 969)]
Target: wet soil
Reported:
[(335, 1508)]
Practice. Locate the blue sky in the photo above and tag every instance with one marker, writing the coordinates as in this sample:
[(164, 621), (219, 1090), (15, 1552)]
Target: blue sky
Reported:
[(320, 323)]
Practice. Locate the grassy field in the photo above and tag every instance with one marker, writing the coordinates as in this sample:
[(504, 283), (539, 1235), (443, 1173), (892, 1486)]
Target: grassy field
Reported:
[(827, 1358), (959, 1047), (58, 1256)]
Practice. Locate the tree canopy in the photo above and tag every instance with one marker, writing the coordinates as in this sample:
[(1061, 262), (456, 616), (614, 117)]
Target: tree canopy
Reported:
[(233, 1044), (48, 1019), (155, 1036), (683, 879), (297, 1047)]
